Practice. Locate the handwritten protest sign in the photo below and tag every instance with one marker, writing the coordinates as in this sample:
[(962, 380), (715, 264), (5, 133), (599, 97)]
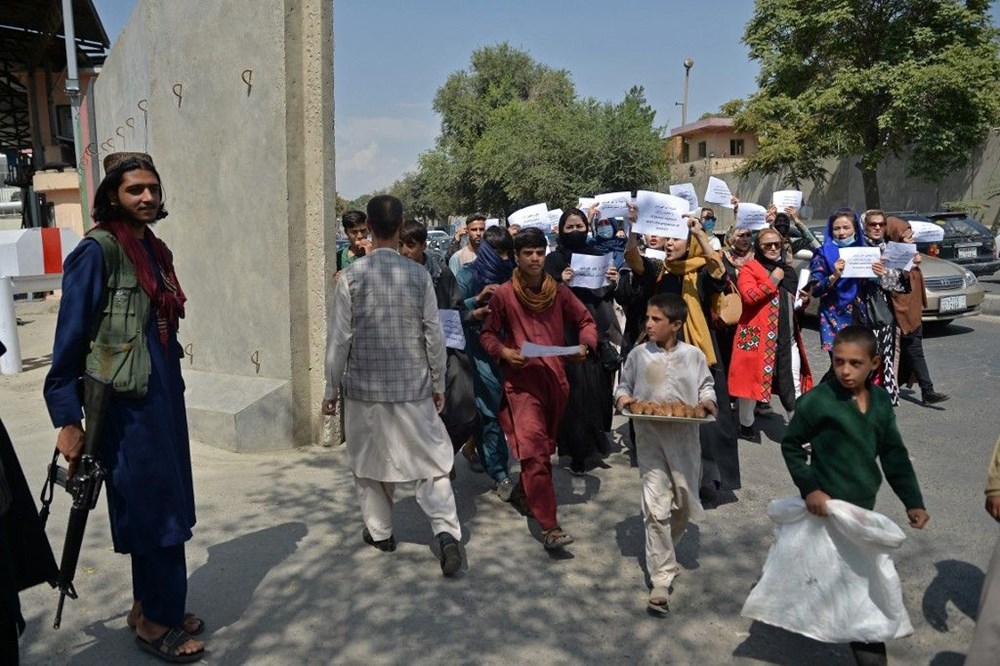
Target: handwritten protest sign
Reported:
[(554, 216), (786, 198), (532, 216), (858, 261), (531, 350), (492, 222), (661, 215), (589, 270), (926, 232), (454, 336), (686, 191), (614, 204), (899, 255), (718, 193), (751, 216), (803, 282)]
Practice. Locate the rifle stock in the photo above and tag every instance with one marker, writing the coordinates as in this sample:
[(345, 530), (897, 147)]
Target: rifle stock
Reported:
[(84, 486)]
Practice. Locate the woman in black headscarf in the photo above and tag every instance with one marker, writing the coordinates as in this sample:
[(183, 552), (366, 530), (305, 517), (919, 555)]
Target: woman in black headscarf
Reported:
[(590, 382), (768, 354)]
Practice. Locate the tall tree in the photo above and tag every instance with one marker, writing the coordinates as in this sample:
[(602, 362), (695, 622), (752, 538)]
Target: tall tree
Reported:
[(513, 133), (871, 78)]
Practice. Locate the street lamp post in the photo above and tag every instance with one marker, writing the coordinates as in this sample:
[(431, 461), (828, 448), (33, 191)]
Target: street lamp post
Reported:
[(688, 64)]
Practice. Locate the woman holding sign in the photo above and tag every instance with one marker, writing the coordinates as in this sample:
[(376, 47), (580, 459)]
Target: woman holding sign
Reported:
[(696, 272), (768, 354), (590, 382), (838, 295)]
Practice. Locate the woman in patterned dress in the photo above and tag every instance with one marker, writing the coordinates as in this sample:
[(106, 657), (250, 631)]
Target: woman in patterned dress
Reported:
[(768, 354)]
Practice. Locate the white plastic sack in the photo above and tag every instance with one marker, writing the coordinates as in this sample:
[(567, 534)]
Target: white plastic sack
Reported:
[(831, 578)]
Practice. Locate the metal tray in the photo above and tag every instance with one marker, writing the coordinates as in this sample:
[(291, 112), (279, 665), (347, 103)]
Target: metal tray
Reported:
[(667, 419)]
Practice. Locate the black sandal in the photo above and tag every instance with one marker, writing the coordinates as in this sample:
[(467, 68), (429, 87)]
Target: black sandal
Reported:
[(198, 630), (166, 646)]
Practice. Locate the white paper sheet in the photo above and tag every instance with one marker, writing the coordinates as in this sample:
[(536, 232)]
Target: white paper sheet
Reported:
[(751, 216), (614, 204), (554, 216), (531, 350), (586, 203), (686, 191), (803, 281), (454, 335), (531, 216), (661, 215), (589, 270), (858, 261), (926, 232), (785, 198), (899, 255), (492, 222), (718, 192), (659, 255)]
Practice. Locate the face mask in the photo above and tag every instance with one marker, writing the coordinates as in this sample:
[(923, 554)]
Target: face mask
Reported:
[(575, 239), (844, 242), (708, 223), (607, 231)]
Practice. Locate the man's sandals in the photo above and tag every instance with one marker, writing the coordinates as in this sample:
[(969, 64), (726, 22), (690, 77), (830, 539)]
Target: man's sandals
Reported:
[(167, 646), (192, 625), (556, 539), (659, 601)]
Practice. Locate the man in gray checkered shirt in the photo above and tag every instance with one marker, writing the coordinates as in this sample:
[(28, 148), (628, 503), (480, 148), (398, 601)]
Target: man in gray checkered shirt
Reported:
[(386, 346)]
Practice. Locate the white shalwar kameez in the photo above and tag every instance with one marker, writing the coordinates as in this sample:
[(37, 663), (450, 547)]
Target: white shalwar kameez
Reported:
[(668, 454), (389, 443)]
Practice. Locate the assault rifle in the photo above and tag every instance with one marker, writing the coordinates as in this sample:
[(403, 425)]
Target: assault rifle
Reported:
[(84, 486)]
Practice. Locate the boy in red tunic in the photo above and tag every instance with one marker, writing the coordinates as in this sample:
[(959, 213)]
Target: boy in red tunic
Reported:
[(532, 307)]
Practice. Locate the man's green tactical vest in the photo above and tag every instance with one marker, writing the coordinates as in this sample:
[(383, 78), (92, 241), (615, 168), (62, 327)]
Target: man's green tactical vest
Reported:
[(118, 350)]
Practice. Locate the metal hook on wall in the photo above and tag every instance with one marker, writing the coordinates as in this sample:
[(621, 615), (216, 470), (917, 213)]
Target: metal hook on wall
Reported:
[(119, 132), (255, 359), (130, 122), (91, 148), (247, 77), (189, 353), (143, 105), (178, 90)]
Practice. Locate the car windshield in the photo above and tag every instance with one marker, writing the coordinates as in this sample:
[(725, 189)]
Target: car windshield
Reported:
[(961, 226)]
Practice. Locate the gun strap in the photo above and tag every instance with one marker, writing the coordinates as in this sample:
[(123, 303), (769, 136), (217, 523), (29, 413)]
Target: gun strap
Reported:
[(49, 488)]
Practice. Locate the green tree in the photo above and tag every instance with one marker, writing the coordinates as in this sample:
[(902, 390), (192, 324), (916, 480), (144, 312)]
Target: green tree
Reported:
[(514, 133), (871, 78)]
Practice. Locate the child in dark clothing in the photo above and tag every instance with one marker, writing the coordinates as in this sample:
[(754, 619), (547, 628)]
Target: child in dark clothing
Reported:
[(847, 424)]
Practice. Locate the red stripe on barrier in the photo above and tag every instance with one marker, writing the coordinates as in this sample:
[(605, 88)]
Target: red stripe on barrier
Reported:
[(52, 250)]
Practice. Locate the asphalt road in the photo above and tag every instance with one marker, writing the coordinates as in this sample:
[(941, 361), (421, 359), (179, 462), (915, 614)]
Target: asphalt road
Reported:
[(279, 573)]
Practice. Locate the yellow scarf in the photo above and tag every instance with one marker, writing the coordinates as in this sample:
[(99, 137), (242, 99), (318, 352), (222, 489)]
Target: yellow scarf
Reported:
[(696, 331), (534, 301)]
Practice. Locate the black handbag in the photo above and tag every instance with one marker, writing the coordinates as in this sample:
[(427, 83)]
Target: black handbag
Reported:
[(608, 356), (878, 309)]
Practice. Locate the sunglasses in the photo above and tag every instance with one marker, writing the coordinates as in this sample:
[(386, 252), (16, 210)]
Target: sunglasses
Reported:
[(876, 224), (770, 246)]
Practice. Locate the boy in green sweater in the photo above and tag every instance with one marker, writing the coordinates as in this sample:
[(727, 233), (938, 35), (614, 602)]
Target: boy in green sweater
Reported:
[(832, 442)]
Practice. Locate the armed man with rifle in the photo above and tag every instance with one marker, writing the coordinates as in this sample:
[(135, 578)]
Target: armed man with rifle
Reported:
[(117, 328)]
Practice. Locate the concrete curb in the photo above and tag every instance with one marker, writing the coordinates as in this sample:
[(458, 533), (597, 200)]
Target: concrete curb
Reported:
[(991, 305)]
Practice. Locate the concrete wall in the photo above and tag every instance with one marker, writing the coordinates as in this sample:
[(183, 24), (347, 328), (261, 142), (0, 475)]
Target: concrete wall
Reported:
[(844, 187), (249, 181)]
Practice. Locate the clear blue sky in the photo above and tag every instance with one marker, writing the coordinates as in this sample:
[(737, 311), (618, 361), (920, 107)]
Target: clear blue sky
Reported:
[(391, 56)]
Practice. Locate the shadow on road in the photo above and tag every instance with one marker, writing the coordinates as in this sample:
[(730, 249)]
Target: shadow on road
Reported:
[(777, 646), (958, 582)]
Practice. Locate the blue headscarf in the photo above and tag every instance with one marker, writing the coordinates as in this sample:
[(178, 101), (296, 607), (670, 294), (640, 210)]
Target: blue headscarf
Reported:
[(846, 289), (613, 245), (489, 268)]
